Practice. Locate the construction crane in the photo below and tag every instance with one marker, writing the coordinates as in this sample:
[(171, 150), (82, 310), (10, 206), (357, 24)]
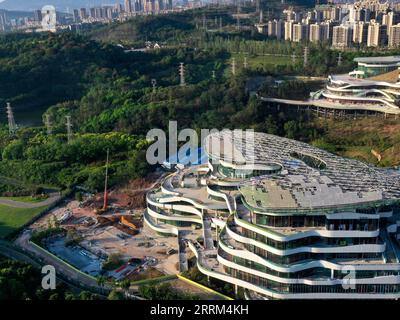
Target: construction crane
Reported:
[(106, 183)]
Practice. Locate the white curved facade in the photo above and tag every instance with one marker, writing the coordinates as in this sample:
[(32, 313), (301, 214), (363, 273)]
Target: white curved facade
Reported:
[(305, 224), (373, 86)]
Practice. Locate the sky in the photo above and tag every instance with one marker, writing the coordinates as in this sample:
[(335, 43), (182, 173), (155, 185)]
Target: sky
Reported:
[(61, 5)]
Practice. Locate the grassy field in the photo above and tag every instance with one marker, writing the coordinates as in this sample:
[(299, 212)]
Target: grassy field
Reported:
[(13, 218), (358, 138), (258, 62)]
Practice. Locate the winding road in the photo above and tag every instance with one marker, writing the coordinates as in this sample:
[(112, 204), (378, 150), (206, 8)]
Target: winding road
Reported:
[(30, 205)]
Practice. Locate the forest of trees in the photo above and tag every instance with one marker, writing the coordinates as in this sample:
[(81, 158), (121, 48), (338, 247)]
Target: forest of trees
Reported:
[(36, 158), (107, 89)]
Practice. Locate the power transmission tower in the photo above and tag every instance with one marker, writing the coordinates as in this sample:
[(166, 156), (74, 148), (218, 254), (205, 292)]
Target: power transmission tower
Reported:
[(245, 64), (233, 66), (339, 60), (48, 125), (305, 63), (69, 128), (237, 17), (12, 127), (154, 85), (213, 74), (182, 74)]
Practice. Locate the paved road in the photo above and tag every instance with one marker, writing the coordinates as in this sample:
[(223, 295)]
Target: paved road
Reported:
[(30, 205), (10, 251)]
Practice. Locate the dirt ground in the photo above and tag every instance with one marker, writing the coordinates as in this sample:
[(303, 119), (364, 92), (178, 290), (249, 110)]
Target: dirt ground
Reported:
[(104, 235)]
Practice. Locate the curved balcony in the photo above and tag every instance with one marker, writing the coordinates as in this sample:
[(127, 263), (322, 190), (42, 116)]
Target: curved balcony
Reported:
[(172, 217), (322, 232), (309, 281), (371, 248), (280, 295), (168, 230)]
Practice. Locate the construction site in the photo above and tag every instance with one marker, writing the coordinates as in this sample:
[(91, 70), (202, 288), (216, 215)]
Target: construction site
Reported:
[(105, 235)]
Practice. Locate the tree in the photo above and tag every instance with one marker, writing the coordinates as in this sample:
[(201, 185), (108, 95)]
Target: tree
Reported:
[(101, 280), (14, 150), (290, 128), (125, 284), (116, 295)]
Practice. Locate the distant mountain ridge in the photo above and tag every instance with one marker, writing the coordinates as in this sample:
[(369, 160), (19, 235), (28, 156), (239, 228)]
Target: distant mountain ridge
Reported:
[(61, 5)]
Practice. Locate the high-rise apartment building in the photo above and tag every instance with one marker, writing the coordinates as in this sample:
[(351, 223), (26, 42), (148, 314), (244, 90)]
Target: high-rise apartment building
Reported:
[(341, 36), (300, 32), (128, 6), (37, 15), (377, 34), (288, 30), (76, 15), (394, 36), (92, 13), (360, 32), (82, 14), (320, 32), (315, 32), (275, 28), (390, 19)]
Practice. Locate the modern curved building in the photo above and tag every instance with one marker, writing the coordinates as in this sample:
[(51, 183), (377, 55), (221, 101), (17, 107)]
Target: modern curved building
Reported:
[(373, 86), (284, 220)]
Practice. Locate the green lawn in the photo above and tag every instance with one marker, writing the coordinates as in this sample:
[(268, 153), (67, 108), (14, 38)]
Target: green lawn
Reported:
[(261, 61), (13, 218)]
